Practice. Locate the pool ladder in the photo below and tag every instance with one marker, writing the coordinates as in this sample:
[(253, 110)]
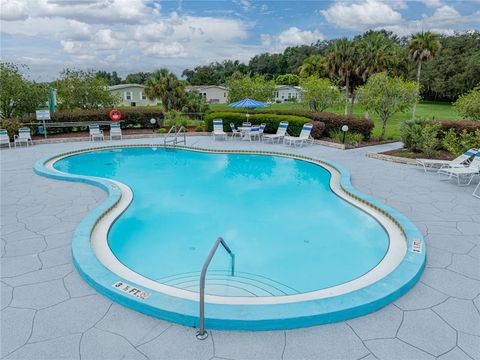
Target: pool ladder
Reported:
[(172, 136), (202, 333)]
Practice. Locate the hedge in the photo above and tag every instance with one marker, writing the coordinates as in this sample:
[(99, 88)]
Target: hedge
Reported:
[(332, 121), (458, 125), (295, 123)]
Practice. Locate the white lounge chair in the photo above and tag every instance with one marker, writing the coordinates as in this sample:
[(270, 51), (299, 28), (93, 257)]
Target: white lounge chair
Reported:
[(218, 129), (4, 138), (254, 133), (24, 136), (439, 164), (95, 132), (262, 129), (115, 131), (302, 138), (467, 172), (235, 131), (281, 131)]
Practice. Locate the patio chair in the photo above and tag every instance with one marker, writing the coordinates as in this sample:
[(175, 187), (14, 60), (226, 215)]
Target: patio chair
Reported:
[(235, 131), (4, 138), (247, 124), (95, 132), (218, 129), (254, 133), (115, 131), (302, 138), (262, 129), (24, 136), (459, 173), (280, 134), (459, 161)]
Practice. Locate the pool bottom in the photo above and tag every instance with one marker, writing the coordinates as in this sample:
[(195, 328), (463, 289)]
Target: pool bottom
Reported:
[(247, 314)]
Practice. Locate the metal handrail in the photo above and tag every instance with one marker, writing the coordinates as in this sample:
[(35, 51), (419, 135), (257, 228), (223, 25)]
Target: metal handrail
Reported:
[(176, 133), (174, 129), (202, 334), (184, 135)]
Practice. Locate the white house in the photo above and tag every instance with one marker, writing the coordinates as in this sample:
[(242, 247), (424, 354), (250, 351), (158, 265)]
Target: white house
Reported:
[(285, 92), (132, 95), (213, 94)]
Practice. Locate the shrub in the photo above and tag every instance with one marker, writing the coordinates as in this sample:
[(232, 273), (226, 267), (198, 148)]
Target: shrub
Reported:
[(422, 135), (318, 129), (11, 125), (457, 143), (429, 141), (468, 104), (412, 133), (199, 129), (332, 121), (295, 123), (162, 130), (458, 125), (351, 138)]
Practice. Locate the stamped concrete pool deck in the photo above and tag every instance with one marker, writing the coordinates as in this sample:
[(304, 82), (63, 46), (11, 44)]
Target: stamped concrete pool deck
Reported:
[(49, 312)]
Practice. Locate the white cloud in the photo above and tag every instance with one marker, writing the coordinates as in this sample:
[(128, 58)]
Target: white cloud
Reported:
[(433, 3), (13, 10), (292, 36), (361, 15)]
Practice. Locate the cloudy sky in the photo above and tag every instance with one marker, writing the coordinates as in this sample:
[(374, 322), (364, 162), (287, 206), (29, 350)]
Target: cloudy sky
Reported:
[(141, 35)]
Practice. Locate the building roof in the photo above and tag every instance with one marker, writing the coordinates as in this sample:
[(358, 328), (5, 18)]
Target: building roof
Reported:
[(280, 87), (199, 87), (124, 86)]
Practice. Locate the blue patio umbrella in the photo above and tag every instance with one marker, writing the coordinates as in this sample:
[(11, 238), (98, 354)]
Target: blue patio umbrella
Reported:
[(248, 104)]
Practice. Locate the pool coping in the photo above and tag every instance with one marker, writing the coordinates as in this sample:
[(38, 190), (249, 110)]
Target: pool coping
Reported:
[(242, 316)]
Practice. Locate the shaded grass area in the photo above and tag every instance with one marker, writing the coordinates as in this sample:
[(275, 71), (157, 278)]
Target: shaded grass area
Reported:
[(425, 110)]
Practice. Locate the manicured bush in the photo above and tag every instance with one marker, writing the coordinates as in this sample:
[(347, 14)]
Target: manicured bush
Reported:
[(457, 143), (318, 129), (11, 125), (459, 125), (332, 121), (295, 123)]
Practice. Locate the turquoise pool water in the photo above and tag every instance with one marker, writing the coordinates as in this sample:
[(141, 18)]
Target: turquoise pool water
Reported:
[(288, 230)]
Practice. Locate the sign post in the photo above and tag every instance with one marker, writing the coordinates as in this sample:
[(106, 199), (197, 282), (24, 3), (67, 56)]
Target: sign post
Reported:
[(43, 115)]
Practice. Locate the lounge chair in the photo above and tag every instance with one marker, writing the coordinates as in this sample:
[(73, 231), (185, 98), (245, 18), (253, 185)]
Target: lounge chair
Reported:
[(467, 172), (24, 136), (280, 134), (218, 129), (4, 138), (302, 138), (235, 131), (462, 160), (115, 131), (262, 129), (95, 132)]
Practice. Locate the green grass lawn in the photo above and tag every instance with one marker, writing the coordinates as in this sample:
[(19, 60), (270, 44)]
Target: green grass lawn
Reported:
[(425, 110)]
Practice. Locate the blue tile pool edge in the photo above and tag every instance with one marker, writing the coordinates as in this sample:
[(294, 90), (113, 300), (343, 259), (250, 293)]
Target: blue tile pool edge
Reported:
[(239, 317)]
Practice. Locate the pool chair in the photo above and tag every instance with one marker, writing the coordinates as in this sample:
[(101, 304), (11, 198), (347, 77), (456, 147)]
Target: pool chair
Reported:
[(4, 139), (460, 161), (95, 132), (23, 136), (246, 124), (303, 138), (115, 131), (262, 129), (253, 134), (235, 131), (218, 129), (279, 135), (464, 172)]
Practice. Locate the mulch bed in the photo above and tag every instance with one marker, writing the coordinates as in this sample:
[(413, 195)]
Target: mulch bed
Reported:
[(405, 153)]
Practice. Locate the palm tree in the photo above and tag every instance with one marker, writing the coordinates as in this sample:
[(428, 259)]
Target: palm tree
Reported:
[(341, 62), (314, 65), (423, 47), (164, 85)]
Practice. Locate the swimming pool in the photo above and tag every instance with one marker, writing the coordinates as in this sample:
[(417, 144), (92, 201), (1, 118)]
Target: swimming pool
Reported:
[(308, 248)]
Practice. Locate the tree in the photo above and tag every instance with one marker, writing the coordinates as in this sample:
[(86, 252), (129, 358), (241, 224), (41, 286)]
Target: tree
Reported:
[(386, 96), (341, 60), (468, 104), (257, 88), (164, 85), (194, 102), (319, 94), (266, 64), (287, 79), (314, 65), (19, 96), (110, 78), (78, 89), (137, 78), (423, 47)]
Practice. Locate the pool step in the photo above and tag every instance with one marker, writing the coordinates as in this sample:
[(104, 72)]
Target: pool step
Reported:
[(223, 284)]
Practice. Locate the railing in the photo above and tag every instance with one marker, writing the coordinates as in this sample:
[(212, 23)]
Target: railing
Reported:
[(202, 334), (175, 134)]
